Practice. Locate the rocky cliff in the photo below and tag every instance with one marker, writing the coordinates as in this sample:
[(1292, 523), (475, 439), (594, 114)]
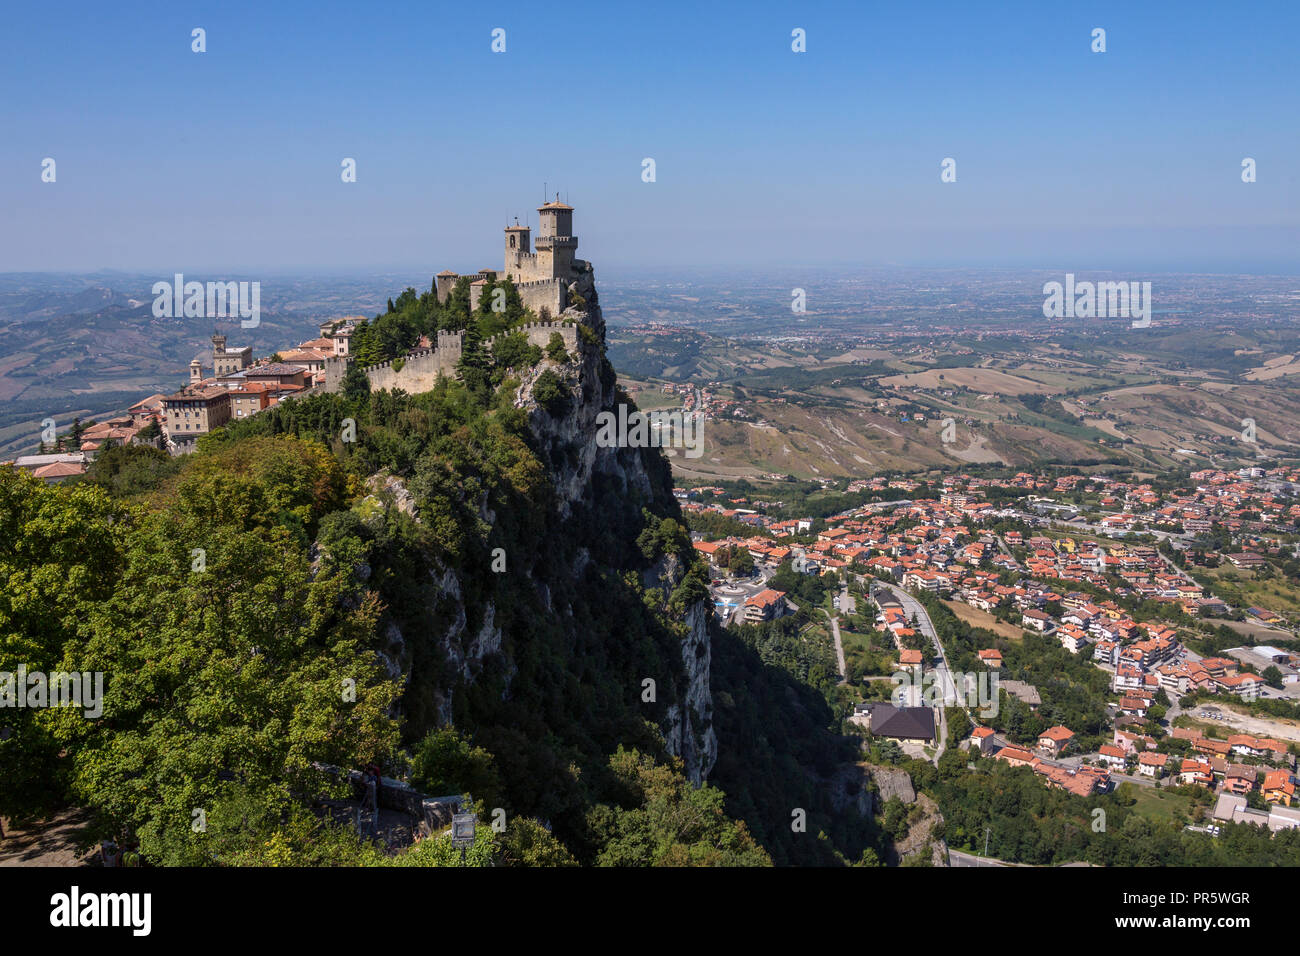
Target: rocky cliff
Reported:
[(601, 499)]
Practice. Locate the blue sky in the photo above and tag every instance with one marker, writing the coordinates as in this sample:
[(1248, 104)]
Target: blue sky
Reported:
[(229, 160)]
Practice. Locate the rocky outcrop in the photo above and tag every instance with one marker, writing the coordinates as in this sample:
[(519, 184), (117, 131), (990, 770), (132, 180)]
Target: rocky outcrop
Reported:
[(575, 430), (387, 490), (566, 440), (689, 731)]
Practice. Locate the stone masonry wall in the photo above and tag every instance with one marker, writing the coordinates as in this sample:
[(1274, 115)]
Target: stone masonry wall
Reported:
[(420, 370)]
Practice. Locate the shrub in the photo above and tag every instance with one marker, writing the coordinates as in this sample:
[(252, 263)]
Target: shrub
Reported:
[(555, 348), (550, 392)]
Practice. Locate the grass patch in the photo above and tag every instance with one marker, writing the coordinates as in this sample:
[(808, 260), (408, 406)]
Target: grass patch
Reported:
[(1157, 804)]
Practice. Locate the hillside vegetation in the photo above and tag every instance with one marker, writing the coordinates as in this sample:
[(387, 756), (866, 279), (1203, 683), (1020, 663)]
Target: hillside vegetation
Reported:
[(433, 596)]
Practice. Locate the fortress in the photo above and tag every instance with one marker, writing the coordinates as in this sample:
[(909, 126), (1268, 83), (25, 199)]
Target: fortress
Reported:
[(541, 271), (544, 276)]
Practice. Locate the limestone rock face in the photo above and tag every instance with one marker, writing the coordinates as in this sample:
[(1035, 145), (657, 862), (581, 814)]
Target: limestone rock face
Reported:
[(575, 430), (690, 733), (386, 489), (566, 438), (688, 730)]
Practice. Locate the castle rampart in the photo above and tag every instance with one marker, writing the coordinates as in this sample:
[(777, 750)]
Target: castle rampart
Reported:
[(419, 370)]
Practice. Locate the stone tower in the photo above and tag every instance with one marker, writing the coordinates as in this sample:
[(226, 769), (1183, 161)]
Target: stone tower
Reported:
[(517, 237), (556, 242), (227, 361), (542, 273)]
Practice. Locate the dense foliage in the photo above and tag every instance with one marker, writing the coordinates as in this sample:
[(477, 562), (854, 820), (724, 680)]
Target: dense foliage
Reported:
[(247, 605)]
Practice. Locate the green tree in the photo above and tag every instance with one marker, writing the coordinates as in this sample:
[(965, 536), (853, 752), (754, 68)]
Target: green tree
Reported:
[(445, 762), (474, 365), (246, 666), (555, 350), (61, 552), (662, 820), (550, 392), (356, 384), (129, 470)]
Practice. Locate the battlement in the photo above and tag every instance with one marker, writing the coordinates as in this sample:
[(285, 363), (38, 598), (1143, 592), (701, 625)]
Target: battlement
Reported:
[(539, 333), (419, 370), (542, 269)]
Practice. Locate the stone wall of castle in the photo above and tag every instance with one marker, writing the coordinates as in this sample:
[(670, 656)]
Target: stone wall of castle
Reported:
[(549, 294), (420, 370), (539, 333)]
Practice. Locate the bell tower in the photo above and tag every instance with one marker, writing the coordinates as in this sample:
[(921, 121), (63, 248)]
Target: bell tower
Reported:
[(519, 255)]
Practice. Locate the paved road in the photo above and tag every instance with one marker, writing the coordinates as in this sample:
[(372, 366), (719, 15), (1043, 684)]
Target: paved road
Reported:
[(839, 650), (959, 858), (943, 676)]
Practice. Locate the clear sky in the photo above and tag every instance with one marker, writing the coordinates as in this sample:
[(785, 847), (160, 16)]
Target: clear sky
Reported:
[(171, 160)]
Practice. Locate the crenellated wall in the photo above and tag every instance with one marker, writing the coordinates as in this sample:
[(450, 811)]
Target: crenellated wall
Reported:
[(420, 370), (539, 333)]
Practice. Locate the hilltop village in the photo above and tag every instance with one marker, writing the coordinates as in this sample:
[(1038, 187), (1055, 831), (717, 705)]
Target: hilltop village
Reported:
[(1116, 574), (231, 387), (553, 287)]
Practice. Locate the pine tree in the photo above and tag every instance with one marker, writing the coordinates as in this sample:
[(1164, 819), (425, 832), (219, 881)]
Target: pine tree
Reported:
[(474, 364), (456, 311)]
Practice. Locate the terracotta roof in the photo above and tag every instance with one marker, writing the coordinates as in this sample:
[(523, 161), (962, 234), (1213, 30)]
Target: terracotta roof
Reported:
[(60, 469), (765, 598), (1015, 753)]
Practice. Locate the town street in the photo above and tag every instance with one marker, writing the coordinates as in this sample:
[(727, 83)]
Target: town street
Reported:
[(839, 648), (913, 608)]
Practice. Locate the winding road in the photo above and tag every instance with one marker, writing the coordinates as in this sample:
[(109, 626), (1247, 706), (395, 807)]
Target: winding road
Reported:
[(943, 675)]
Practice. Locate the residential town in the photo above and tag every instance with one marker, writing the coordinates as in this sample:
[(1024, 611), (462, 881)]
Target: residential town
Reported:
[(1117, 589)]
